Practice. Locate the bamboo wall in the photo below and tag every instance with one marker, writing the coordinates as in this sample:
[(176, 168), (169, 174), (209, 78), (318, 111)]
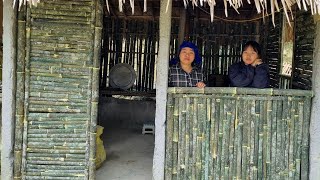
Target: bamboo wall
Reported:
[(135, 41), (57, 89), (272, 43), (303, 51), (237, 133)]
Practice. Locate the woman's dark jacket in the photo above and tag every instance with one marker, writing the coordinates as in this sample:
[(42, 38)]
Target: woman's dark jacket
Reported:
[(242, 75)]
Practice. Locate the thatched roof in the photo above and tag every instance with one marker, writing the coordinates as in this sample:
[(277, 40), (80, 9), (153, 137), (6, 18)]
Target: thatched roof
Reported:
[(262, 6)]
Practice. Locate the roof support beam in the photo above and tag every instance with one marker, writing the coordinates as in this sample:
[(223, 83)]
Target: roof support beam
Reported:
[(161, 89), (314, 156), (8, 88)]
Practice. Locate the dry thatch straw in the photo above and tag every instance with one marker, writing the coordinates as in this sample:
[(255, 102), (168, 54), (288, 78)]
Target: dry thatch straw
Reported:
[(261, 5)]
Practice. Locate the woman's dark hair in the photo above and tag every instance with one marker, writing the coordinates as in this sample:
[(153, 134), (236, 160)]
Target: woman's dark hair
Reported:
[(256, 47)]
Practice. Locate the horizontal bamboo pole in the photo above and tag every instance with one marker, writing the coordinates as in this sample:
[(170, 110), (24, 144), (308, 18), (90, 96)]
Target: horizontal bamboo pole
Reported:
[(55, 155), (53, 167), (239, 91)]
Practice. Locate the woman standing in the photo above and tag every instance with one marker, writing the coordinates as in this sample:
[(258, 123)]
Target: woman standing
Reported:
[(251, 71), (185, 72)]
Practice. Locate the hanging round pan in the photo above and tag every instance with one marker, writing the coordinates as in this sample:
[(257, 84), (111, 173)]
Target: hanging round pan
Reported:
[(122, 76)]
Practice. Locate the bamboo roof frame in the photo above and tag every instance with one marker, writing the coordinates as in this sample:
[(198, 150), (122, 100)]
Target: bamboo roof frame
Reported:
[(262, 6)]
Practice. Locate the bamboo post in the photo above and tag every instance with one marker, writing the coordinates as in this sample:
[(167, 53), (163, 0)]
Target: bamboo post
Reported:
[(21, 54)]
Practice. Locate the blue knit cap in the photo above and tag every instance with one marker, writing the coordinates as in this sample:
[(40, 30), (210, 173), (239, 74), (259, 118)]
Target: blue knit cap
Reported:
[(197, 57)]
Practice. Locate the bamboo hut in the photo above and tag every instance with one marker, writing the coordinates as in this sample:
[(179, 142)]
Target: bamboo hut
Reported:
[(58, 55)]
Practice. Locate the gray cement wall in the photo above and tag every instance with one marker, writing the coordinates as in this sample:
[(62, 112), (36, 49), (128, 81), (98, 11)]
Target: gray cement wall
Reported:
[(125, 113)]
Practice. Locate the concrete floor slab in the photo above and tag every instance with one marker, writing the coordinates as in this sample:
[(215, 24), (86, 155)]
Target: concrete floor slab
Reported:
[(129, 155)]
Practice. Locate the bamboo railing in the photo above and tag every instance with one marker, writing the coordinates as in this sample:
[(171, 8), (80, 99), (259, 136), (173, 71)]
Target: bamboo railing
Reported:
[(237, 133)]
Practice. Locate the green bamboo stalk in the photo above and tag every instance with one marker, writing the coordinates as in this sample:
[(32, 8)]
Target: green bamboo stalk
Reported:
[(241, 91), (181, 136), (298, 132), (19, 114), (223, 135), (207, 131), (245, 139), (277, 153), (199, 139), (228, 135), (268, 140), (234, 139), (175, 139), (217, 165), (239, 138), (261, 141), (212, 145), (50, 177), (62, 151), (231, 144), (305, 139), (291, 140), (194, 139), (202, 115), (274, 161), (252, 137), (285, 118), (55, 167), (169, 137), (188, 137), (27, 90)]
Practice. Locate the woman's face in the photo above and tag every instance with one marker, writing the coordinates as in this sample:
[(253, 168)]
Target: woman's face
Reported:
[(249, 55), (186, 56)]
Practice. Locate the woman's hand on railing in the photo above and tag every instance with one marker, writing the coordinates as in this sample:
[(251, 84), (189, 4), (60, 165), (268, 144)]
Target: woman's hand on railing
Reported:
[(201, 85)]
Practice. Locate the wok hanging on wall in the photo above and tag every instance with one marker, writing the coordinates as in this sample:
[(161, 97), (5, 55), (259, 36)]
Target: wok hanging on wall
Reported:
[(122, 76)]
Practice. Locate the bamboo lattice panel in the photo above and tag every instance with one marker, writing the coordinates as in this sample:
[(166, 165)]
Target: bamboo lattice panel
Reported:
[(234, 133), (303, 52), (57, 88), (273, 48)]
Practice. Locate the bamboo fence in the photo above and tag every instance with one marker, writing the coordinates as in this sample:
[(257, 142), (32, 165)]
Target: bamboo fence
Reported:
[(237, 133), (57, 89)]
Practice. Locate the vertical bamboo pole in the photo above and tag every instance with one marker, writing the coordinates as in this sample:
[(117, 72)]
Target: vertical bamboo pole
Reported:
[(274, 141), (212, 144), (299, 122), (97, 19), (207, 131), (217, 170), (27, 90), (291, 139), (188, 137), (198, 139), (228, 135), (262, 119), (182, 137), (285, 117), (21, 55), (239, 138), (194, 139), (202, 136), (305, 139), (231, 117), (245, 141), (171, 114), (175, 139)]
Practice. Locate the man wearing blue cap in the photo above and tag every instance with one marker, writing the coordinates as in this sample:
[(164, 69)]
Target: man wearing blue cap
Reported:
[(185, 73)]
